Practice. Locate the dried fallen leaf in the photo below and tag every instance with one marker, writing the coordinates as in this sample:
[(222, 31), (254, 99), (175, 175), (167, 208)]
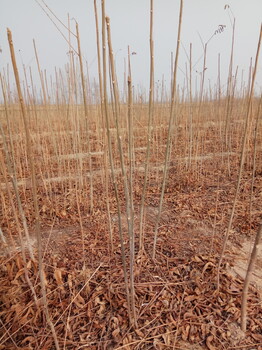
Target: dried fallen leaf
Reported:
[(207, 265), (58, 277), (197, 259), (139, 333), (79, 301), (19, 273), (185, 332), (257, 336), (190, 297), (209, 339), (28, 339), (116, 332)]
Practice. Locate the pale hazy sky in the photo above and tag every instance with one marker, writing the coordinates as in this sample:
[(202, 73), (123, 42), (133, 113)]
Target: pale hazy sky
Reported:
[(130, 26)]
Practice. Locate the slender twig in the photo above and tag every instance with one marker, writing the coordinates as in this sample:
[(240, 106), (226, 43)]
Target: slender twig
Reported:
[(132, 315), (149, 129), (254, 156), (131, 164), (169, 136), (242, 159), (248, 277), (86, 120), (103, 124), (34, 187), (111, 160)]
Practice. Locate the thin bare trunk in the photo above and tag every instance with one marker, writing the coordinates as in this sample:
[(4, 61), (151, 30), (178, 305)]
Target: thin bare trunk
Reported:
[(229, 90), (19, 231), (103, 125), (132, 316), (254, 156), (190, 109), (111, 161), (169, 136), (34, 188), (250, 270), (149, 129), (242, 158), (131, 163), (86, 119)]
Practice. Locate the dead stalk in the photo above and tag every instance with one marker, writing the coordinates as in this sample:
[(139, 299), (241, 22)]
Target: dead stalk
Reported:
[(34, 187), (190, 109), (84, 92), (19, 231), (254, 156), (103, 124), (131, 169), (169, 136), (132, 316), (248, 277), (149, 129), (111, 160), (229, 90), (242, 159)]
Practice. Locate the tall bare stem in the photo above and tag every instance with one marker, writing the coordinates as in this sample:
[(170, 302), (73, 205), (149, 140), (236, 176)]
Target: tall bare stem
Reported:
[(111, 160), (149, 128), (34, 187), (132, 316), (86, 119), (250, 270), (242, 158), (169, 136)]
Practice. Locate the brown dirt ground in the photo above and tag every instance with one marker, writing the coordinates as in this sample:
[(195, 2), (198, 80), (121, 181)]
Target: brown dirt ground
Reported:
[(177, 302)]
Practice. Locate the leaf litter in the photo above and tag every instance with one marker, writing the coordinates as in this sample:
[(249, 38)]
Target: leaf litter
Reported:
[(91, 312), (177, 301)]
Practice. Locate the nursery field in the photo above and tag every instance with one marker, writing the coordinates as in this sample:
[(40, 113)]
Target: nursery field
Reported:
[(176, 297), (130, 218)]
